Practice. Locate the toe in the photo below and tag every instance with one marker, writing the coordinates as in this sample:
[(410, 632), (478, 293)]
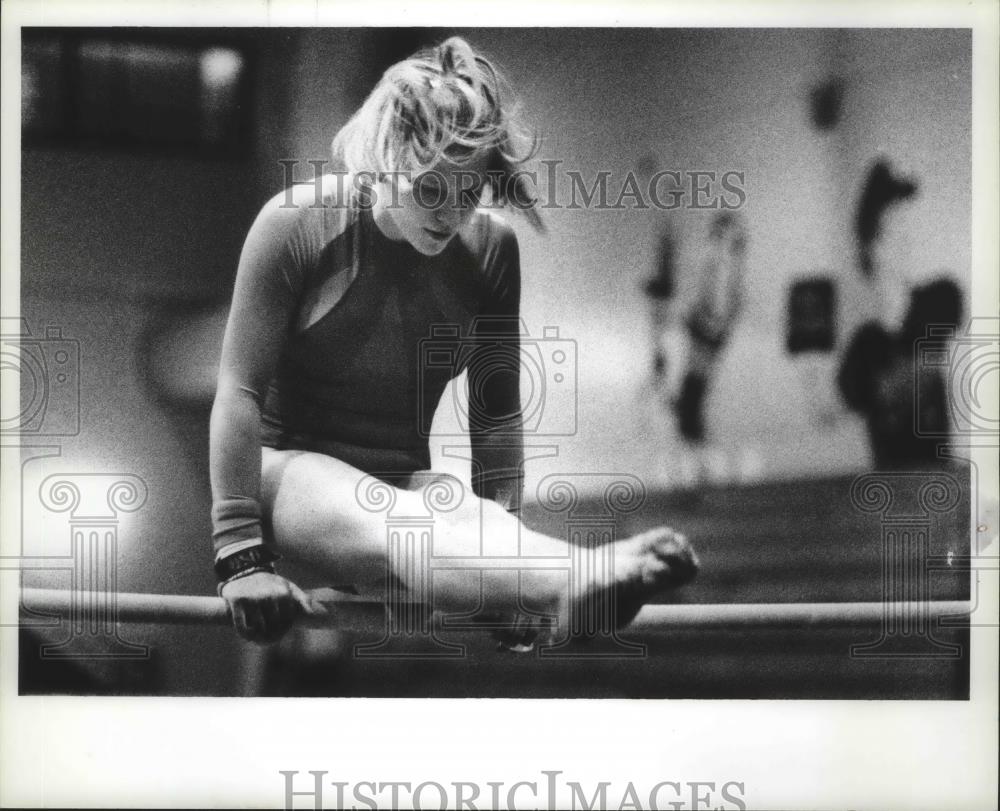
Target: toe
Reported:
[(681, 563)]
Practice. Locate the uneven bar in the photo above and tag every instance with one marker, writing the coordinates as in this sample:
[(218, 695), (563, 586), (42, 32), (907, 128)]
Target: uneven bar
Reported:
[(793, 615), (343, 610), (350, 612)]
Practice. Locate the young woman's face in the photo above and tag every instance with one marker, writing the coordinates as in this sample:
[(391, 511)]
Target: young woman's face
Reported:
[(429, 208)]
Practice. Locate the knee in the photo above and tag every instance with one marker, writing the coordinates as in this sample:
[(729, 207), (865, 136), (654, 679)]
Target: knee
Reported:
[(470, 515)]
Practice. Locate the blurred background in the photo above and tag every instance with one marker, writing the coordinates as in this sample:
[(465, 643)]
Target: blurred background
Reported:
[(146, 154)]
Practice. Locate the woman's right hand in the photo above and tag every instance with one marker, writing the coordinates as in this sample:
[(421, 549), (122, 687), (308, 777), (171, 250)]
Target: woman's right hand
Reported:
[(263, 606)]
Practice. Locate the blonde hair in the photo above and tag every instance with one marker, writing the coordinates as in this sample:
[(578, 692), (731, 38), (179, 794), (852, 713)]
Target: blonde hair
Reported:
[(446, 102)]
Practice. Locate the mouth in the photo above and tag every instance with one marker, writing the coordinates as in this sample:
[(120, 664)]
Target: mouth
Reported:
[(439, 236)]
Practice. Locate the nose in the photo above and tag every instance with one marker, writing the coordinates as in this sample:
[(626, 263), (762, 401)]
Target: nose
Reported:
[(449, 216)]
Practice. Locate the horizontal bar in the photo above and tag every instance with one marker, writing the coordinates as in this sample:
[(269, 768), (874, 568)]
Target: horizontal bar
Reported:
[(343, 610), (350, 612), (789, 615)]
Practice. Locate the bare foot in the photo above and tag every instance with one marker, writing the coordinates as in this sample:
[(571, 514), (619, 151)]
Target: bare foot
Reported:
[(609, 588), (643, 566)]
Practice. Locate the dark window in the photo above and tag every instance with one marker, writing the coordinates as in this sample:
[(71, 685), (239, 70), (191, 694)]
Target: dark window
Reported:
[(108, 88)]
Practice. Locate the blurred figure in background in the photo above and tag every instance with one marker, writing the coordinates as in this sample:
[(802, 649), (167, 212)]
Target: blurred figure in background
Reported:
[(711, 318), (709, 322), (669, 340), (883, 189), (688, 341), (904, 402)]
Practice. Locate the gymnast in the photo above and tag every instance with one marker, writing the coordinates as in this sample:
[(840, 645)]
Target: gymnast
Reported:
[(320, 384)]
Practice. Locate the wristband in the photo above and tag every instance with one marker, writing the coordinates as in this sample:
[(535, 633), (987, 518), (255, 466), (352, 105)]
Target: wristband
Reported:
[(236, 546), (243, 573), (235, 519), (255, 557)]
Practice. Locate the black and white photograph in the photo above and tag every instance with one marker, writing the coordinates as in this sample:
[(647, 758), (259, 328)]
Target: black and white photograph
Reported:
[(639, 371)]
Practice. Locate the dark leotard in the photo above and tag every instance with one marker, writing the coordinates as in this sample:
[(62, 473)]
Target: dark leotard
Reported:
[(370, 333)]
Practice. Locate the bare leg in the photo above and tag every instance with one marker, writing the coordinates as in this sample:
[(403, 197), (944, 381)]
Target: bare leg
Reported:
[(318, 519)]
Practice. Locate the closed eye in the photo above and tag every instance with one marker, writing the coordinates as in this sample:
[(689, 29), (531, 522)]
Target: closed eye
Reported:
[(428, 190)]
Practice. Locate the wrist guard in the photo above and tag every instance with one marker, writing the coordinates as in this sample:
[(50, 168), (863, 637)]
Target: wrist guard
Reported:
[(256, 557)]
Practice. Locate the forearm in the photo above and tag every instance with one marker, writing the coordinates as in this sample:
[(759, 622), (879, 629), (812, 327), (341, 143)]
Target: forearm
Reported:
[(498, 466), (235, 468), (496, 432), (267, 288)]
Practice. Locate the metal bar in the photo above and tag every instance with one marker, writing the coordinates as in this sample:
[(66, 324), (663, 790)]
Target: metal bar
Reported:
[(351, 612)]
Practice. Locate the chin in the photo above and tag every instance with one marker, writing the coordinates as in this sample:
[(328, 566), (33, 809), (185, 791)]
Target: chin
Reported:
[(429, 248)]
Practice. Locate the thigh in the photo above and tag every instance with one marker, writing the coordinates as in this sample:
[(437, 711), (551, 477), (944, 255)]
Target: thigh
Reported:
[(315, 518), (326, 514)]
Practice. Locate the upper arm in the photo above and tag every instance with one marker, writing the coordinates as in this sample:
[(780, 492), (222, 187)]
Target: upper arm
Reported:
[(503, 293), (268, 284), (494, 397)]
